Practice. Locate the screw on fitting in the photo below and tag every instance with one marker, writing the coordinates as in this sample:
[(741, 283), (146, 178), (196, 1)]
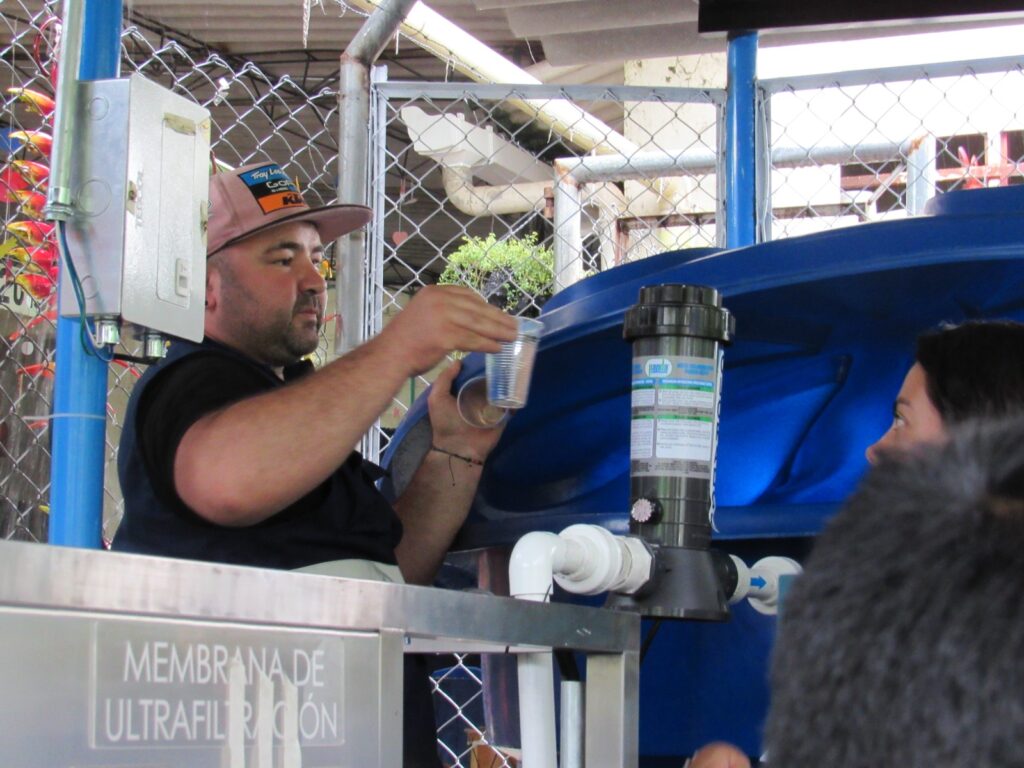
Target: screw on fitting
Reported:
[(154, 346), (638, 569), (58, 208), (108, 331), (603, 562), (679, 310), (646, 511), (761, 583)]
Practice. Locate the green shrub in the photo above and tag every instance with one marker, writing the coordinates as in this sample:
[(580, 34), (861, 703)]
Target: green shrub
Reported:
[(515, 274)]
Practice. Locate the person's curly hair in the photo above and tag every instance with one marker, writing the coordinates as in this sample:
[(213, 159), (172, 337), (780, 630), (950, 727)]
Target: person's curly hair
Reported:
[(903, 642)]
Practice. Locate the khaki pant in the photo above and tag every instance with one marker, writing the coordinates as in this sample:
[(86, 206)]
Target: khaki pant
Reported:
[(357, 569)]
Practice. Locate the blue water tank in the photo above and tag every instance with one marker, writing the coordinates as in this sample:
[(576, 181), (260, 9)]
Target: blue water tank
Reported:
[(825, 329)]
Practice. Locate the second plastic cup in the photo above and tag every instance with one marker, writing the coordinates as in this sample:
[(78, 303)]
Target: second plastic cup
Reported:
[(474, 408), (509, 371)]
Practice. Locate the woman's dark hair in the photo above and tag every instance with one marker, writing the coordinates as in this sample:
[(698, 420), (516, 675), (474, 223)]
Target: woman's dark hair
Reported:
[(974, 369)]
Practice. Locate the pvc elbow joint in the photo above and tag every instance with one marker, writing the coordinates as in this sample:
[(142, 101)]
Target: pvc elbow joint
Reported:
[(583, 559)]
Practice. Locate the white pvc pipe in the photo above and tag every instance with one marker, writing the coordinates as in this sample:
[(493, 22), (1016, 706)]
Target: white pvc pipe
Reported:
[(482, 200), (568, 232), (452, 44), (473, 58), (530, 573), (587, 559), (532, 566), (537, 710), (571, 730)]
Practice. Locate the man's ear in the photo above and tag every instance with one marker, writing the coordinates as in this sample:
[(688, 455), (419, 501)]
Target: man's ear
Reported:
[(213, 282)]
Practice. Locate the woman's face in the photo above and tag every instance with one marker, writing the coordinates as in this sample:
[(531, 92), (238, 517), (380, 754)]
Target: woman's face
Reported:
[(915, 421)]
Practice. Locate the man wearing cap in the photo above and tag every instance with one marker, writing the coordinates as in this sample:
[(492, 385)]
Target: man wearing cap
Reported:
[(235, 451)]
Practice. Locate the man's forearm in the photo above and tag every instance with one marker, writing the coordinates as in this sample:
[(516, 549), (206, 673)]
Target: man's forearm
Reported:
[(432, 509)]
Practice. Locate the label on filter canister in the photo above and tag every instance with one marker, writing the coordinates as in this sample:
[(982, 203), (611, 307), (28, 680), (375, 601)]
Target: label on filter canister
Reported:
[(673, 406)]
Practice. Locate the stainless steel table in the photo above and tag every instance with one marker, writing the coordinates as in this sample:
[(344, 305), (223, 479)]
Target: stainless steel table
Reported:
[(120, 660)]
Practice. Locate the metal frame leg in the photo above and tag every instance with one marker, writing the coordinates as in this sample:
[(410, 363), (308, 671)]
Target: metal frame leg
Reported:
[(392, 646), (612, 731)]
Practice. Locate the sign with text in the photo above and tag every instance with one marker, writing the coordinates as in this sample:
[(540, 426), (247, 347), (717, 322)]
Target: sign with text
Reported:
[(91, 689), (185, 688), (14, 297)]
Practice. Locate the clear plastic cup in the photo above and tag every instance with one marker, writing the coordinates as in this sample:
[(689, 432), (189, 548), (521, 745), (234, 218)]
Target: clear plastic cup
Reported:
[(508, 371), (474, 408)]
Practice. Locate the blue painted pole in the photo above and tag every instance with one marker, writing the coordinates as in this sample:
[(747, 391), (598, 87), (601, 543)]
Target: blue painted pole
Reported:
[(78, 449), (740, 144)]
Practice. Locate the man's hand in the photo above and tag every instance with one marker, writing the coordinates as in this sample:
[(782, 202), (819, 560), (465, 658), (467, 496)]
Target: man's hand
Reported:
[(443, 319), (451, 432)]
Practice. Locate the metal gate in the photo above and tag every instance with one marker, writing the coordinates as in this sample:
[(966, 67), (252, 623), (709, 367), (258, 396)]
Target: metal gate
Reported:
[(520, 191)]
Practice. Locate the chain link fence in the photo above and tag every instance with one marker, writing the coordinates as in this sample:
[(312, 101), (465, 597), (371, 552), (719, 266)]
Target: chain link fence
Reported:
[(257, 115), (517, 191), (877, 145), (27, 320), (521, 191)]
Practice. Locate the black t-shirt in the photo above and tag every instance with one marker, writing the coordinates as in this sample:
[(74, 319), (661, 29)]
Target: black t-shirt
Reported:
[(181, 396), (343, 517)]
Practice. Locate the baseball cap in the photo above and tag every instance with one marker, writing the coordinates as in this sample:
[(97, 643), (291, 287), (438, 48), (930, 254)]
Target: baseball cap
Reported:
[(254, 198)]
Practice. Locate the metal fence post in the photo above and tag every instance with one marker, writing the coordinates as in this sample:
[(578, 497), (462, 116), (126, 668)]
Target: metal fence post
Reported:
[(568, 235), (353, 117), (920, 174), (353, 159), (740, 144), (80, 380)]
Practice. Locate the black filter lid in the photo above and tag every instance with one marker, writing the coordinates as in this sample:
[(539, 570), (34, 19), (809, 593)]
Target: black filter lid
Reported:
[(676, 309)]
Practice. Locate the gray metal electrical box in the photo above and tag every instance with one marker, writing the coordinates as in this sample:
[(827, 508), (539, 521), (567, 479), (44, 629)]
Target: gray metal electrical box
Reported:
[(140, 191)]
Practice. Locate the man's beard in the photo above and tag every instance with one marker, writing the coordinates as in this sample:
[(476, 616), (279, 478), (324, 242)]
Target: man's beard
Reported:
[(300, 341), (278, 341)]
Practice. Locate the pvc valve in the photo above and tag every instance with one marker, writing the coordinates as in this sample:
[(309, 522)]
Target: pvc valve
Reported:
[(759, 583)]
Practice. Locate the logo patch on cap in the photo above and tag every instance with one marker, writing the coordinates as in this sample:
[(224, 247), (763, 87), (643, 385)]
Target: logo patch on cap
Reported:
[(272, 189)]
